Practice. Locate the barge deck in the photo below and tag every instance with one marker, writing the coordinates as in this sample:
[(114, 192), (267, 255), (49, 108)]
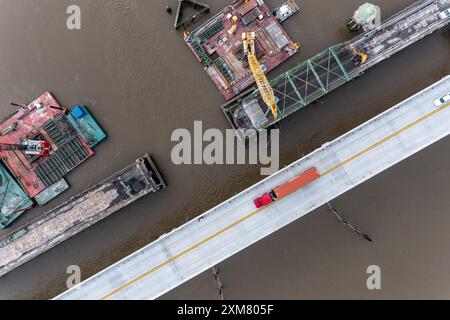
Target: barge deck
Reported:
[(101, 200), (217, 44), (71, 137)]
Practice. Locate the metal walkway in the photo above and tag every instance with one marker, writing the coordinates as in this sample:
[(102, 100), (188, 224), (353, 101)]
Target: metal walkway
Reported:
[(234, 224), (328, 70)]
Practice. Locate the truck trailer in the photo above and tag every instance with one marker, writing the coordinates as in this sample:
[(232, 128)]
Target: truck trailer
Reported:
[(287, 188)]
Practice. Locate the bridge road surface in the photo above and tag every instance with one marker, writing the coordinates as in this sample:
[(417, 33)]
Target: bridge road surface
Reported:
[(235, 224)]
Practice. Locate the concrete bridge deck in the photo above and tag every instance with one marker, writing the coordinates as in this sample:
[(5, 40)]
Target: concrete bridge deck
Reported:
[(235, 224)]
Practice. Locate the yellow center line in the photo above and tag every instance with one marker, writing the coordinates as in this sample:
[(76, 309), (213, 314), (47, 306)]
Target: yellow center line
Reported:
[(198, 244), (221, 231), (377, 144)]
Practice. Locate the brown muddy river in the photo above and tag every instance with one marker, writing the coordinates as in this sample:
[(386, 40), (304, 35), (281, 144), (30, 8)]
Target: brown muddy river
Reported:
[(139, 79)]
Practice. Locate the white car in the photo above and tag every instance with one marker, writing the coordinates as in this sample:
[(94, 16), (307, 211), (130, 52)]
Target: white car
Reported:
[(439, 102), (444, 14)]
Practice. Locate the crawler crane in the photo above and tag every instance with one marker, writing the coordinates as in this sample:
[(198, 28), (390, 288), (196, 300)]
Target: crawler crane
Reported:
[(30, 147)]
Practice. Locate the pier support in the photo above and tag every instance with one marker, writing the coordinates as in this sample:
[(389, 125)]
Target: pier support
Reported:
[(351, 227), (219, 283)]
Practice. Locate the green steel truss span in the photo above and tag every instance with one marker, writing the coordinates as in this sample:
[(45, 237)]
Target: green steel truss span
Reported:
[(333, 67), (294, 89)]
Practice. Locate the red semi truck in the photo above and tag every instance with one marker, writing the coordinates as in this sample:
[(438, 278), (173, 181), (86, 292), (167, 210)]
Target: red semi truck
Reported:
[(286, 189)]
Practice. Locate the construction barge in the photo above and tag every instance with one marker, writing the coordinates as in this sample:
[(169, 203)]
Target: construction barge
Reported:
[(13, 200), (310, 80), (39, 145), (83, 210), (218, 45)]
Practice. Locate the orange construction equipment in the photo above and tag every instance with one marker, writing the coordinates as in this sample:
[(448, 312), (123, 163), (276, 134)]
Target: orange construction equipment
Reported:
[(234, 21), (359, 58)]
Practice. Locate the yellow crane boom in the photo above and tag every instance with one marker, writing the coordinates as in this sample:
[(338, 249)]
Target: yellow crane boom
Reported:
[(248, 40)]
